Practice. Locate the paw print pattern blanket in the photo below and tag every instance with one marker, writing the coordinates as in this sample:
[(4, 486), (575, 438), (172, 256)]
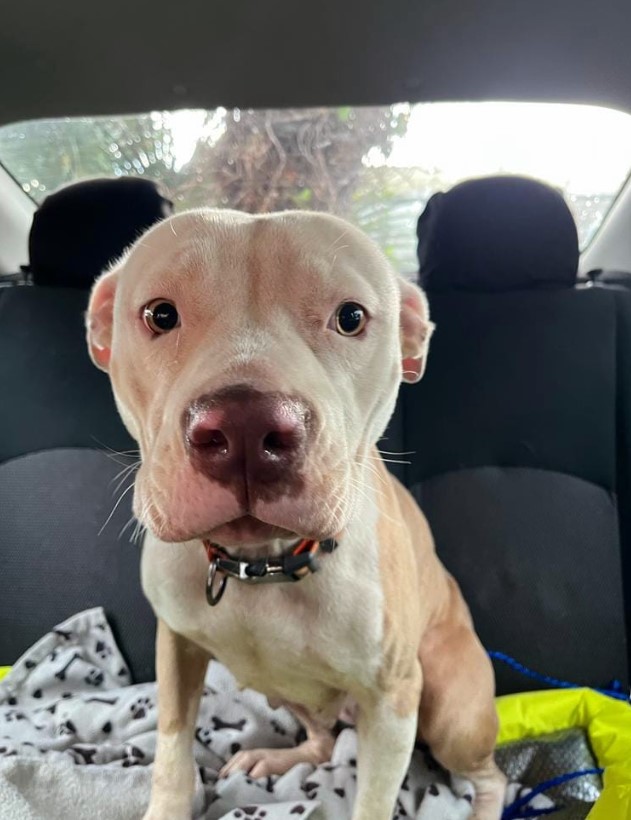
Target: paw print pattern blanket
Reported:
[(77, 740)]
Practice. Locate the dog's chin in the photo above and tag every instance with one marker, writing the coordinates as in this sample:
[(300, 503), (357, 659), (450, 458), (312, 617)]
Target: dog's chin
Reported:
[(246, 534), (248, 531)]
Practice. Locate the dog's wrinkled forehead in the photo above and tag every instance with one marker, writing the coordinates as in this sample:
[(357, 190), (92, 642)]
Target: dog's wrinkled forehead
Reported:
[(263, 260)]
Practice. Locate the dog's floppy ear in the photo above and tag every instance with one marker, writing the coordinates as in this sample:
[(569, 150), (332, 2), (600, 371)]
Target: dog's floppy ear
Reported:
[(100, 319), (416, 330)]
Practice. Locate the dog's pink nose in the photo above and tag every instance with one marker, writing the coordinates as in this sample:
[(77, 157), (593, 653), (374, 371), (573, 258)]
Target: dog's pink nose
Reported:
[(241, 434)]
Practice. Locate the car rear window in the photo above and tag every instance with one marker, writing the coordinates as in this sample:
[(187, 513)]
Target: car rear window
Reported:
[(375, 166)]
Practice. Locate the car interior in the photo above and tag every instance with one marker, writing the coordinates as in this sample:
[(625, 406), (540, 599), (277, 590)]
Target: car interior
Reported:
[(486, 148)]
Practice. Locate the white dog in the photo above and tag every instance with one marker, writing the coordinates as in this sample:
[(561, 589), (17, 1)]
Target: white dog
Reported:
[(256, 361)]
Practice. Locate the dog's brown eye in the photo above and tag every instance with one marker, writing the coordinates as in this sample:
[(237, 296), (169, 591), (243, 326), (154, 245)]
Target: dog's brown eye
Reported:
[(350, 319), (160, 316)]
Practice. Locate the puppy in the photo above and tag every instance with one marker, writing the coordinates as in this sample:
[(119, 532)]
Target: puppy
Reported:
[(256, 361)]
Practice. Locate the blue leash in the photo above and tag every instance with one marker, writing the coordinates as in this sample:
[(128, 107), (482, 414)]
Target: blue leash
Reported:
[(616, 690), (518, 808), (513, 812)]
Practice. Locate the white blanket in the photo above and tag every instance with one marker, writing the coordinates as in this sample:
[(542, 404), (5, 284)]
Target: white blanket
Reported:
[(77, 740)]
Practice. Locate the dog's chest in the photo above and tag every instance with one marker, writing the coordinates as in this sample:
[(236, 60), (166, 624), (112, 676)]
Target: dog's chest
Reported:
[(304, 643)]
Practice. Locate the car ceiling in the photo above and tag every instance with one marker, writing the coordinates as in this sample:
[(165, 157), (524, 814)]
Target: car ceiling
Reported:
[(81, 58)]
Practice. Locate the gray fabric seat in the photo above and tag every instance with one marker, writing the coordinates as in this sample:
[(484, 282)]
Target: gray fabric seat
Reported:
[(519, 430), (64, 547)]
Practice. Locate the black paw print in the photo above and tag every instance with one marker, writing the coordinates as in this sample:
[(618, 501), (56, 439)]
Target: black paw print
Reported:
[(310, 789), (84, 755), (66, 728), (401, 812), (140, 707), (204, 736), (252, 812), (102, 650), (94, 677), (133, 756)]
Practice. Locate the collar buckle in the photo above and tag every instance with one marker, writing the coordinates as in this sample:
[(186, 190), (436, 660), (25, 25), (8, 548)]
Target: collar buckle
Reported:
[(288, 568)]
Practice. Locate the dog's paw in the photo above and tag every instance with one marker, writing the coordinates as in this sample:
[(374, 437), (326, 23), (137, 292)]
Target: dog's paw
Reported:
[(489, 798), (266, 762)]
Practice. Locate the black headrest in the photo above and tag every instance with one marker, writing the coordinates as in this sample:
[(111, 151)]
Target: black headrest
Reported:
[(81, 228), (497, 234)]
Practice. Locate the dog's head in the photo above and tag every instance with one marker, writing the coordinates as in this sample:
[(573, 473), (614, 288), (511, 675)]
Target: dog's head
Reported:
[(256, 360)]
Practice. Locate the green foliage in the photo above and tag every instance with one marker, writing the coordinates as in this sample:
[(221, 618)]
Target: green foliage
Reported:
[(256, 161)]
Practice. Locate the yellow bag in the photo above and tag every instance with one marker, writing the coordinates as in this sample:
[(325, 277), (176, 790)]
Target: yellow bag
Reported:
[(606, 721)]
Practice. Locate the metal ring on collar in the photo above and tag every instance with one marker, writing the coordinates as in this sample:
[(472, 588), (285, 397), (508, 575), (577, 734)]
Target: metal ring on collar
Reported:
[(212, 598)]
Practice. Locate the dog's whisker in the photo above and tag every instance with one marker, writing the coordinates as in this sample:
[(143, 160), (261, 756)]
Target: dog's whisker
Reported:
[(332, 246), (125, 471), (363, 494), (112, 450), (113, 457), (388, 460), (366, 490), (358, 480), (124, 478), (138, 533), (362, 488), (109, 517), (375, 472), (126, 527)]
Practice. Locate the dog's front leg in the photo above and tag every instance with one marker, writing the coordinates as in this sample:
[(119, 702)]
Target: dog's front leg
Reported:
[(181, 667), (386, 727)]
